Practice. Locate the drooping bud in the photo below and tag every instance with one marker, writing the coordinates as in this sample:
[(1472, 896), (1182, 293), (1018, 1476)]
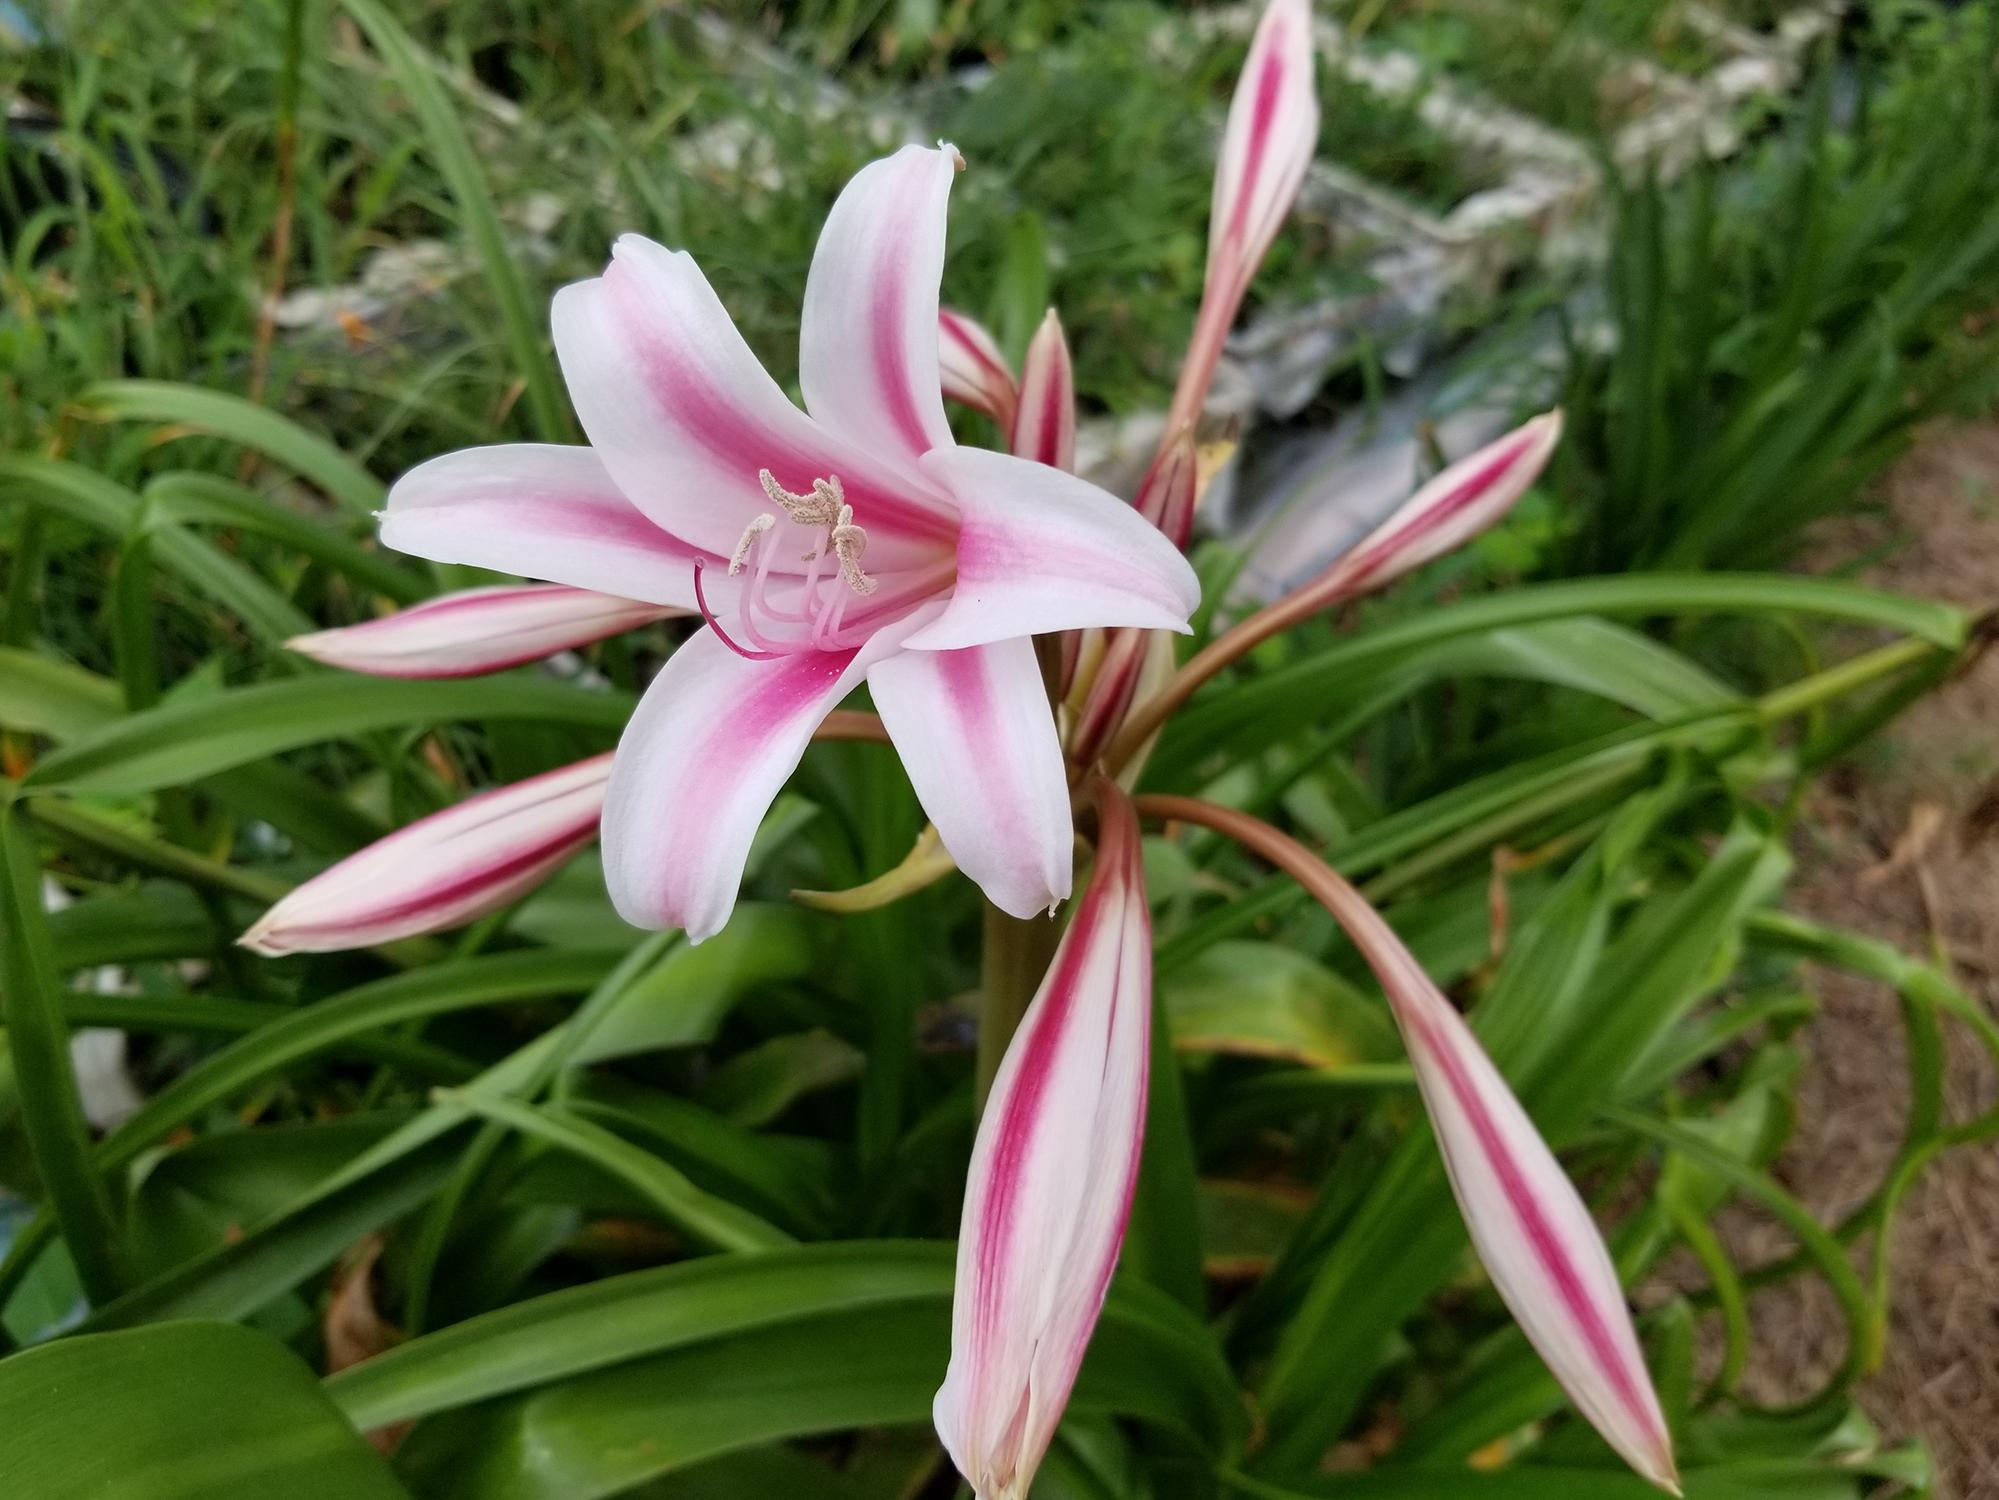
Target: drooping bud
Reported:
[(480, 630), (444, 870), (1546, 1258)]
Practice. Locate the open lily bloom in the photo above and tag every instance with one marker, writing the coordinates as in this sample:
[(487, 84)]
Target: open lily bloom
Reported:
[(853, 540)]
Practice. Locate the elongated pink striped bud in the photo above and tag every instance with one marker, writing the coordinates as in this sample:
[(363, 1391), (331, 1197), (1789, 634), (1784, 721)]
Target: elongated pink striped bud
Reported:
[(972, 369), (1110, 696), (1543, 1251), (1475, 492), (1272, 131), (1170, 488), (1449, 511), (480, 630), (1166, 498), (1539, 1244), (1076, 647), (443, 870), (1052, 1176), (1044, 424)]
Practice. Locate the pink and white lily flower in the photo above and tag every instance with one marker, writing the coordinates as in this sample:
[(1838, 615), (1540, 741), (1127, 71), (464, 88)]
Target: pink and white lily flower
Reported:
[(444, 870), (1053, 1171), (850, 541), (477, 631)]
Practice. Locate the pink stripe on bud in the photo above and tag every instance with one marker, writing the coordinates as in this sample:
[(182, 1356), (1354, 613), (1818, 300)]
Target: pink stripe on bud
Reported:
[(1166, 498), (480, 630), (972, 369), (1044, 423), (443, 870), (1539, 1244), (1167, 494), (1110, 694), (1272, 131), (1051, 1180), (1470, 495), (1543, 1251)]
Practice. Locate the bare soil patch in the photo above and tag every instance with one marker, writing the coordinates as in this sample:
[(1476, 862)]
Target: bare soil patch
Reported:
[(1882, 850)]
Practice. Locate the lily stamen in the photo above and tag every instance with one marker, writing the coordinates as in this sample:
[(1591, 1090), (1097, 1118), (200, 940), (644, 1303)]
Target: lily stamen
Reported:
[(824, 505), (822, 611), (748, 541), (849, 542)]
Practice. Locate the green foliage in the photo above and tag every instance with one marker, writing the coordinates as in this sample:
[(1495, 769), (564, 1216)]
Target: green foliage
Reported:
[(1782, 325), (180, 1411)]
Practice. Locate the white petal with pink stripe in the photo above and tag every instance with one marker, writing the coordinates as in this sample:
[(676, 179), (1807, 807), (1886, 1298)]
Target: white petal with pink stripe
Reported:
[(713, 740), (685, 418), (537, 510), (1040, 550), (977, 736), (867, 346)]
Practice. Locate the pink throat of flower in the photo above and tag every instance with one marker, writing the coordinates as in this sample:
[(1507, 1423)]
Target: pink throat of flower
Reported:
[(834, 605)]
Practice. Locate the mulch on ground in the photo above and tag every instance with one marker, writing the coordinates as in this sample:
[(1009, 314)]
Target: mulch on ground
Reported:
[(1883, 849)]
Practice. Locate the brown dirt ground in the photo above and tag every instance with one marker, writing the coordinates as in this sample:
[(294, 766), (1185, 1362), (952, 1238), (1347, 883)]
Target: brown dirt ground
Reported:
[(1938, 535)]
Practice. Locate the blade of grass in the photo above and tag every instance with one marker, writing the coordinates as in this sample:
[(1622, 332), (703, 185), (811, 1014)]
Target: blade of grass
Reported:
[(38, 1036), (185, 740), (702, 1217), (185, 408), (452, 154)]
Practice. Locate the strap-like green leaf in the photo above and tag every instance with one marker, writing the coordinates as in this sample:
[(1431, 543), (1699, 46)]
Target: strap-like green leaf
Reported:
[(636, 1375), (235, 420), (701, 1216), (187, 740), (183, 1411), (38, 1037), (1298, 693), (39, 695), (109, 507)]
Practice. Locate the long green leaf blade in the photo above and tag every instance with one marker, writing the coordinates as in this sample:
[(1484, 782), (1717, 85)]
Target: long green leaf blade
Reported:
[(38, 1035)]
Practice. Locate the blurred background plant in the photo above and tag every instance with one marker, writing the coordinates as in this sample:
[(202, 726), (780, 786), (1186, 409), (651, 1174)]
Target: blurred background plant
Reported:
[(260, 258)]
